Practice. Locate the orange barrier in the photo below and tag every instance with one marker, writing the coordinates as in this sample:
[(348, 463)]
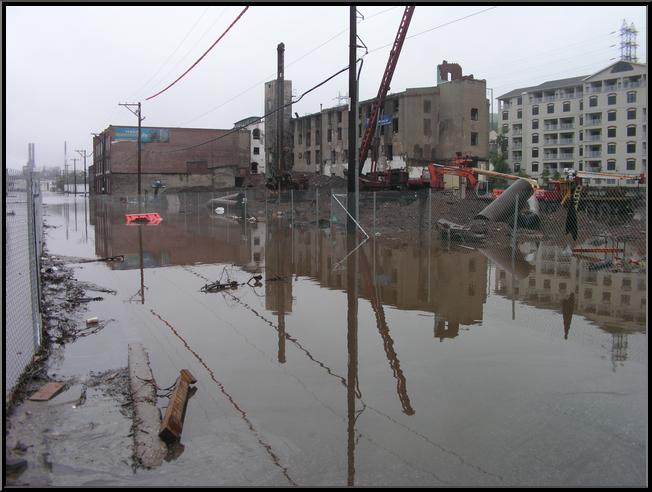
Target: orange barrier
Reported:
[(143, 219)]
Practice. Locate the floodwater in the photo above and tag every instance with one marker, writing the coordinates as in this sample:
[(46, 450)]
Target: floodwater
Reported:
[(442, 366)]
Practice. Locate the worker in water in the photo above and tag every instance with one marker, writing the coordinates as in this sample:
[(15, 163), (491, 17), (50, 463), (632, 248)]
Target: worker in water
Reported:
[(156, 185)]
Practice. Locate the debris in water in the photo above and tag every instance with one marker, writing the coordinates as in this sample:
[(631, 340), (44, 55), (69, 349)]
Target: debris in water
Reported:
[(172, 424), (47, 391)]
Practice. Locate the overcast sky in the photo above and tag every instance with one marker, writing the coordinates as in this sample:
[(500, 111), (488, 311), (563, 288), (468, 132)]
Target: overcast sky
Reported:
[(68, 67)]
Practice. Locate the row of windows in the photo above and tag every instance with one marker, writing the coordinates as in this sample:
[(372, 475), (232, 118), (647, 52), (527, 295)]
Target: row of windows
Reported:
[(612, 115), (630, 165), (566, 105)]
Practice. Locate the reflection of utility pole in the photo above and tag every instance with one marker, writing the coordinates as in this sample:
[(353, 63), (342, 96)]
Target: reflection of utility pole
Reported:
[(352, 346), (140, 119), (280, 100), (618, 348), (351, 204), (142, 273)]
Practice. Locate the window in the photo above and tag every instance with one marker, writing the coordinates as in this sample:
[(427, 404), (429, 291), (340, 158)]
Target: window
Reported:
[(611, 165), (308, 157), (581, 104), (535, 110), (474, 138), (519, 114), (330, 118), (551, 108), (535, 167), (566, 107), (535, 124), (631, 114), (256, 150), (581, 136), (631, 131), (427, 104), (611, 132), (426, 126), (474, 114), (631, 147), (256, 134), (535, 151), (396, 105), (308, 139), (631, 164), (505, 129), (505, 115), (535, 138), (339, 134), (593, 101), (519, 101), (611, 116), (395, 123), (388, 152), (332, 156), (300, 137), (631, 97), (611, 148), (329, 135), (339, 116), (611, 99)]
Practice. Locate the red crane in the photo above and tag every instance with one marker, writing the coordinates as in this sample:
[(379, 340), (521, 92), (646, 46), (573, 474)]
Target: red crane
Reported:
[(383, 89)]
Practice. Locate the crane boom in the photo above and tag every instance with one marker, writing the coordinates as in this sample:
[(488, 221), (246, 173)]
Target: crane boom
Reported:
[(384, 87)]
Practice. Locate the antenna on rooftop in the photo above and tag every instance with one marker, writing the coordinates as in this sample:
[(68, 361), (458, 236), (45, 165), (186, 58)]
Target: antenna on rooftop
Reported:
[(628, 42)]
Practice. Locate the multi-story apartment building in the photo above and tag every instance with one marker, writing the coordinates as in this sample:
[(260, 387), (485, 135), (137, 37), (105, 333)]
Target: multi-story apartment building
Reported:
[(416, 127), (594, 123)]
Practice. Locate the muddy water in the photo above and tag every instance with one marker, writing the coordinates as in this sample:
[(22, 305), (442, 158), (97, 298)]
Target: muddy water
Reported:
[(420, 364)]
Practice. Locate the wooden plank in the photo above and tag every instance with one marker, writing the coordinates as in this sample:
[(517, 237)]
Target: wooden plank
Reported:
[(47, 391), (172, 424)]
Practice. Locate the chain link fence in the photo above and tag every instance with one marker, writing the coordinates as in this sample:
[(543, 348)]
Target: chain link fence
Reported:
[(23, 249)]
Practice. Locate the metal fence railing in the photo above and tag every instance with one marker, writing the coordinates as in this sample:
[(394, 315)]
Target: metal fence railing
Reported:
[(23, 249)]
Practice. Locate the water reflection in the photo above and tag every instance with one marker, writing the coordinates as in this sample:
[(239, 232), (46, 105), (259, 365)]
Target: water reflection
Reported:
[(423, 276)]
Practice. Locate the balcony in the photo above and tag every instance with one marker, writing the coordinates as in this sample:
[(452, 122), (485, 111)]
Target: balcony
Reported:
[(632, 85), (594, 138), (566, 156), (516, 147), (564, 141), (549, 128), (593, 122), (566, 126), (516, 132), (549, 98), (551, 142), (593, 154), (550, 157)]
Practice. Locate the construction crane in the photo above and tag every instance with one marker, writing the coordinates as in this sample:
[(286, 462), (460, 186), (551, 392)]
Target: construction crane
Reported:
[(373, 179)]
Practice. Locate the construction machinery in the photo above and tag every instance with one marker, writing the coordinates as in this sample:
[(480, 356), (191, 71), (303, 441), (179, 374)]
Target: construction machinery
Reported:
[(393, 178), (597, 199)]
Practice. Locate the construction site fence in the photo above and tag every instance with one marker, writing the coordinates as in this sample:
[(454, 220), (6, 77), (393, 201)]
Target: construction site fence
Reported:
[(23, 250)]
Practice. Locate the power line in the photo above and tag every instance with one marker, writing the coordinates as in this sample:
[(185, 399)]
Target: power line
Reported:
[(202, 56), (286, 65), (172, 54), (257, 120)]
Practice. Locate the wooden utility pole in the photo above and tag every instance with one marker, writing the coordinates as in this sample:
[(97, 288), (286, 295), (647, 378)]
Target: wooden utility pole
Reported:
[(280, 99), (83, 154), (74, 174), (353, 116), (140, 119)]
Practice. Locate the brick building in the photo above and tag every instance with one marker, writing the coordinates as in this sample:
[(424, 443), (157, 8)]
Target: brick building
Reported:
[(172, 155)]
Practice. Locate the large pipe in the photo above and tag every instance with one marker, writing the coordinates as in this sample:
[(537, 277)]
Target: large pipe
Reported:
[(502, 208)]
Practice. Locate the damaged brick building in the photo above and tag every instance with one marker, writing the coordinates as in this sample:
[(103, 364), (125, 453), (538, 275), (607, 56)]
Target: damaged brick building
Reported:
[(416, 127), (177, 158)]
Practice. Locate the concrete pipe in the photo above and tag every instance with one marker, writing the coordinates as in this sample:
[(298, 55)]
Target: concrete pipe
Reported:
[(502, 208)]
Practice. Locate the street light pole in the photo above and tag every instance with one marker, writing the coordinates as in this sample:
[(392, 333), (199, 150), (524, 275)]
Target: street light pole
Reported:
[(74, 174), (83, 154)]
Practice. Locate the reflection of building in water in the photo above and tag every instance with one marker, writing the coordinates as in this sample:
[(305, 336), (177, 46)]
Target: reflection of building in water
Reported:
[(612, 300), (188, 234), (449, 283)]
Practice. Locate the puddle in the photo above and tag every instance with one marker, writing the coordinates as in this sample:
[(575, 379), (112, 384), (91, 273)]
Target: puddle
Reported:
[(451, 366)]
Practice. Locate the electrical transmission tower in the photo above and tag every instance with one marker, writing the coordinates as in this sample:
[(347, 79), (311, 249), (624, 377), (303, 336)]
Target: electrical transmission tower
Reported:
[(628, 42)]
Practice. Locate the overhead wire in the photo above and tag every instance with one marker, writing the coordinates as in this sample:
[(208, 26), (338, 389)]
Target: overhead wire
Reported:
[(171, 54), (257, 120), (202, 56)]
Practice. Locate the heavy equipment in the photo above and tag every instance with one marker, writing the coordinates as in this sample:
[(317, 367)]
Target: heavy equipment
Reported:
[(393, 178)]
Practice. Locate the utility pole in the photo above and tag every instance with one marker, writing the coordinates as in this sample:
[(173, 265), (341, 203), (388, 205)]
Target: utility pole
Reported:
[(280, 99), (353, 116), (140, 119), (65, 166), (83, 154), (74, 174)]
